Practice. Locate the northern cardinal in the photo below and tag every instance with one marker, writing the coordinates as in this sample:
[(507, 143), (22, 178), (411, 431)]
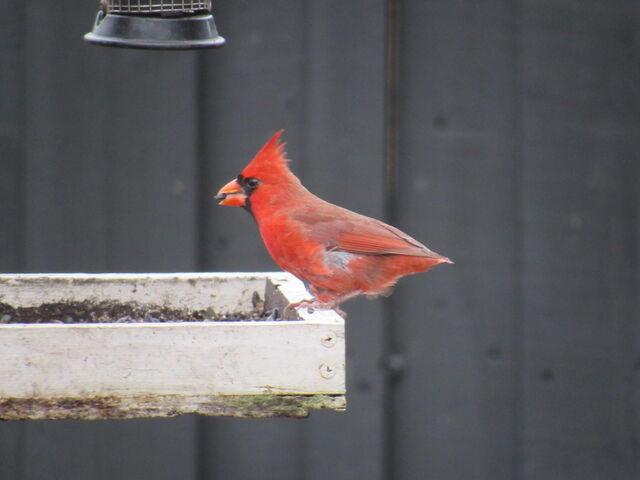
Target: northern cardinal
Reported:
[(339, 253)]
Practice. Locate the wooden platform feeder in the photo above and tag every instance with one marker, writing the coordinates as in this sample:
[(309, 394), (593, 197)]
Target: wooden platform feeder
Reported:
[(111, 346)]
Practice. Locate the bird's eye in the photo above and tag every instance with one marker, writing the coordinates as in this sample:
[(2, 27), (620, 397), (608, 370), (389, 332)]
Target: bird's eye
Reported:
[(251, 182)]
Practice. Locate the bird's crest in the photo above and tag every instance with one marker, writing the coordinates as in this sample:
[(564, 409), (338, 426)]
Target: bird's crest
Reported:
[(270, 160)]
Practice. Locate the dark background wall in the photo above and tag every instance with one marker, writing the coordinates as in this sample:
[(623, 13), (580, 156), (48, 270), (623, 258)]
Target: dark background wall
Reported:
[(518, 129)]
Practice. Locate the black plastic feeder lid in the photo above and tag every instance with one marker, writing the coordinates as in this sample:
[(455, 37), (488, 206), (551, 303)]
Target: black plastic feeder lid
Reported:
[(155, 32)]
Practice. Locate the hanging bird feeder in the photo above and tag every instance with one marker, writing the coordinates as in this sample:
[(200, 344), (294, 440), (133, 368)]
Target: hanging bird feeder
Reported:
[(155, 24)]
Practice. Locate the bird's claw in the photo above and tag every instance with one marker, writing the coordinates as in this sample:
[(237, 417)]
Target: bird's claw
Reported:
[(313, 305), (309, 304)]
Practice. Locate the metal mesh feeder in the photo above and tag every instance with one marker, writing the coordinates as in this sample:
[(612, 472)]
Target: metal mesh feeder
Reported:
[(155, 24)]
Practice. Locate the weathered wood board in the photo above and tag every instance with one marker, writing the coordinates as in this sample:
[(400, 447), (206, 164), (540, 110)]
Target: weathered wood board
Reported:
[(125, 370)]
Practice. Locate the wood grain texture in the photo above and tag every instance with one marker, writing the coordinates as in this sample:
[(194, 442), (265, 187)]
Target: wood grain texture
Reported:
[(190, 358), (127, 407), (455, 407), (130, 370), (130, 449), (580, 214), (12, 141), (224, 291), (12, 453), (109, 163)]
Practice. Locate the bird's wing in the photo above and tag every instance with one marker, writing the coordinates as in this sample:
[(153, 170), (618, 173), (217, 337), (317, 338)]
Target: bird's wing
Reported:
[(354, 233)]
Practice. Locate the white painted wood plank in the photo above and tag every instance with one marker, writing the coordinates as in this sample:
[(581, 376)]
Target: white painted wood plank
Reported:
[(225, 292), (131, 370), (208, 358)]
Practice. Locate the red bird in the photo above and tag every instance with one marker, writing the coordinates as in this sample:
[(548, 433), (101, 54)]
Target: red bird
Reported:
[(339, 253)]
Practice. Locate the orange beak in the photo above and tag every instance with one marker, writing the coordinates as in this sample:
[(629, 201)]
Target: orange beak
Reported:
[(231, 195)]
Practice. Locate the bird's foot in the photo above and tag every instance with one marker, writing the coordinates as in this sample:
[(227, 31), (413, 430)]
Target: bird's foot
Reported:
[(301, 304), (313, 304), (308, 304)]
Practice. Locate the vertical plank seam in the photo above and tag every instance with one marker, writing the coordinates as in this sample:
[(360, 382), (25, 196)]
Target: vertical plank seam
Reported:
[(391, 165), (518, 343)]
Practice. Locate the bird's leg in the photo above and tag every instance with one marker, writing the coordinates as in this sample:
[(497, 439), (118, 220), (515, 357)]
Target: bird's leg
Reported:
[(302, 303), (308, 304), (335, 304), (346, 297), (315, 304)]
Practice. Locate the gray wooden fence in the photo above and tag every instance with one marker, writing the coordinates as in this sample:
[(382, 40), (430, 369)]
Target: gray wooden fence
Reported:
[(518, 129)]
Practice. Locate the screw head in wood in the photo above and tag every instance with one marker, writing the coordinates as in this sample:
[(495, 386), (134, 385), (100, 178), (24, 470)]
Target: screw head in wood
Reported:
[(327, 370), (329, 339)]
